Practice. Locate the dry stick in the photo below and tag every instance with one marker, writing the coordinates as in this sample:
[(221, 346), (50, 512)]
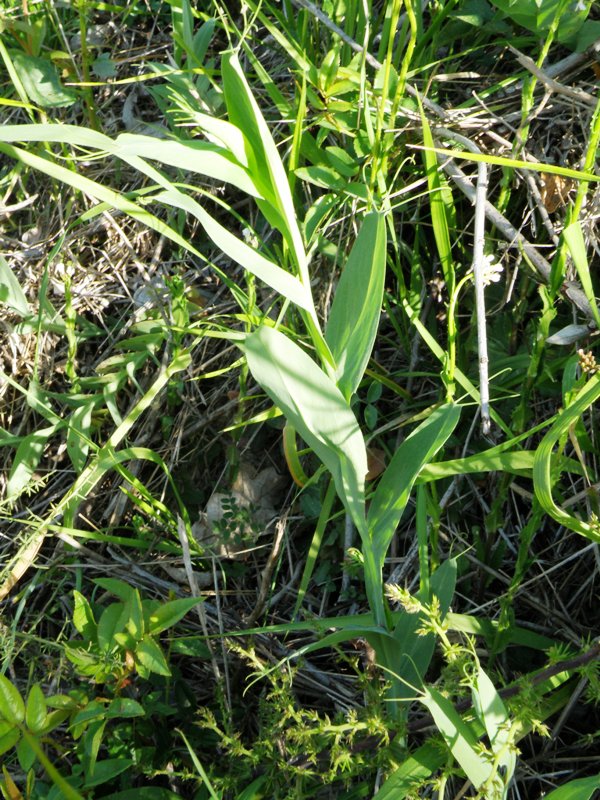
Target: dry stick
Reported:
[(552, 84), (200, 610), (478, 276), (268, 571)]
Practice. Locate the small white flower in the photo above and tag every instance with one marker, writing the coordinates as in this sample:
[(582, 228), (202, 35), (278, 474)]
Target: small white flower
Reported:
[(491, 271), (580, 5), (250, 238)]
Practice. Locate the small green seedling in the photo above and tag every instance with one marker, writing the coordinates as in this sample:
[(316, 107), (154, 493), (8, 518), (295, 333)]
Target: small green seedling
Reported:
[(124, 639)]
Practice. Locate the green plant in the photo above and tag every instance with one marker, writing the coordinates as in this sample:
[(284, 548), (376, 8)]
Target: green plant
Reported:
[(336, 201), (123, 641), (120, 645)]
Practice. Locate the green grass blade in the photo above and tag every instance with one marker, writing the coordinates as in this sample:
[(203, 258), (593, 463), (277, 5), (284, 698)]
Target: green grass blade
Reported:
[(542, 464), (440, 354), (580, 789), (573, 236), (203, 158), (284, 283), (438, 198), (395, 486), (354, 316), (201, 771), (97, 192), (315, 546), (11, 293), (513, 163)]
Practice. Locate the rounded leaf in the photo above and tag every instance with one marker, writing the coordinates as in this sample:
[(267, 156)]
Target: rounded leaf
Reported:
[(35, 710), (12, 707)]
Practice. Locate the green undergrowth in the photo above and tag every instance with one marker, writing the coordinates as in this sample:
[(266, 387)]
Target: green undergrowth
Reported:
[(239, 264)]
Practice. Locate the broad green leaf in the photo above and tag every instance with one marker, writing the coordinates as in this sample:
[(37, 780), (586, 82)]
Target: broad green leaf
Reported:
[(492, 712), (35, 709), (573, 236), (83, 617), (135, 621), (94, 710), (12, 707), (150, 655), (104, 67), (8, 738), (107, 770), (117, 587), (580, 789), (458, 736), (92, 739), (40, 80), (200, 157), (394, 488), (542, 464), (26, 754), (11, 293), (409, 655), (419, 766), (263, 158), (111, 621), (192, 646), (26, 459), (315, 407), (124, 707), (55, 718), (354, 317), (78, 434), (168, 614), (538, 15)]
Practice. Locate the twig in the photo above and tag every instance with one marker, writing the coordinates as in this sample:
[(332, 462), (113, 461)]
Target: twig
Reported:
[(552, 84), (516, 239), (200, 610), (268, 571), (478, 275)]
